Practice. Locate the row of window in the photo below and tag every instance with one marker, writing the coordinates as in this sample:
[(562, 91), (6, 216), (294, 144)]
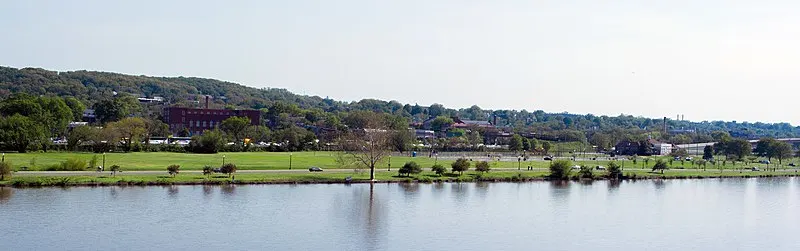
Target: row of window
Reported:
[(199, 123), (208, 113)]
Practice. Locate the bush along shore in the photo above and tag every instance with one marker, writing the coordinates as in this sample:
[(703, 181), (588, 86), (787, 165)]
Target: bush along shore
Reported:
[(346, 178)]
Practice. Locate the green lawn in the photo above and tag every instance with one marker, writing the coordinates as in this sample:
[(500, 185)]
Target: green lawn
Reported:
[(300, 160)]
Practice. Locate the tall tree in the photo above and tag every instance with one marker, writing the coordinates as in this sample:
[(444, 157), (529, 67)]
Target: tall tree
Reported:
[(76, 107), (441, 123), (19, 132), (80, 134), (515, 144), (708, 152), (782, 150), (235, 127), (367, 147), (130, 130)]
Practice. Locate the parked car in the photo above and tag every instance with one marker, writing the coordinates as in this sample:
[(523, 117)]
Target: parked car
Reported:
[(314, 169), (754, 169), (792, 164), (677, 158), (600, 168), (548, 158), (764, 162), (216, 170), (688, 158), (576, 167)]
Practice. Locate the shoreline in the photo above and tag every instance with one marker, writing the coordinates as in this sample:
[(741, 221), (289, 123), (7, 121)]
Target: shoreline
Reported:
[(41, 182)]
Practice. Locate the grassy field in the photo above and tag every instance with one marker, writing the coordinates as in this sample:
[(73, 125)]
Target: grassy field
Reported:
[(300, 160)]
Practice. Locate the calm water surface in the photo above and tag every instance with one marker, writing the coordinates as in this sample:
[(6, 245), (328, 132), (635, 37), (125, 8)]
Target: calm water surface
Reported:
[(730, 214)]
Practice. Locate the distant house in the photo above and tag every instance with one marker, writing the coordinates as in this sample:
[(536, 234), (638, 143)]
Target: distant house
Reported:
[(651, 147), (89, 116), (424, 134), (151, 100), (626, 147)]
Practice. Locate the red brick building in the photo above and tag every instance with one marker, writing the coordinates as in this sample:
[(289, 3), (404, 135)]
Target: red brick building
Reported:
[(198, 120)]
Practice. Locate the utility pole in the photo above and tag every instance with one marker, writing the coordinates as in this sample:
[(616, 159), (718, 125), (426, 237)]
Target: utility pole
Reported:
[(390, 163), (104, 162), (223, 160), (290, 161)]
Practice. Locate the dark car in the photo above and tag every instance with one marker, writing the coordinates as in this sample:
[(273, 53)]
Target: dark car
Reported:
[(548, 158), (216, 170), (314, 169), (792, 164)]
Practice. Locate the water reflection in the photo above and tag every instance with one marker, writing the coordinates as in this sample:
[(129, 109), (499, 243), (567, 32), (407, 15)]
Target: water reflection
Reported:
[(172, 191), (613, 185), (208, 190), (228, 190), (5, 194), (366, 214), (659, 184), (410, 189), (481, 189)]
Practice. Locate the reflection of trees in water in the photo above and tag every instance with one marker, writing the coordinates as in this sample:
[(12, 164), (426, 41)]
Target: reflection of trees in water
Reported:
[(659, 184), (410, 189), (586, 182), (482, 188), (172, 190), (5, 194), (208, 190), (366, 215), (228, 190), (460, 192), (559, 188), (613, 185)]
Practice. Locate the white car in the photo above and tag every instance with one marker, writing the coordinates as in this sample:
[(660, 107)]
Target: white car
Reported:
[(576, 167), (600, 168)]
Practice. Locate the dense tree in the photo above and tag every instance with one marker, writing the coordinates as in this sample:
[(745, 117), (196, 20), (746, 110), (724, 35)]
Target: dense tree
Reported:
[(660, 166), (79, 135), (708, 152), (130, 130), (437, 110), (294, 138), (614, 170), (228, 169), (782, 150), (210, 141), (5, 170), (173, 170), (441, 123), (115, 109), (410, 168), (439, 169), (546, 146), (76, 107), (19, 132), (235, 127), (515, 144), (460, 165), (560, 169), (401, 140), (482, 166)]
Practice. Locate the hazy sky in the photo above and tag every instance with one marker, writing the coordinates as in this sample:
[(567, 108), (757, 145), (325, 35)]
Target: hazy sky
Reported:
[(709, 60)]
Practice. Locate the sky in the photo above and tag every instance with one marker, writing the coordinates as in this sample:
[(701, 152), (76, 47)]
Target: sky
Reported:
[(708, 60)]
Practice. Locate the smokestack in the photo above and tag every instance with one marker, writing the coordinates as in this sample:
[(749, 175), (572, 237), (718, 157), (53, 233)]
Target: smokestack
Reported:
[(206, 101), (494, 120), (665, 125)]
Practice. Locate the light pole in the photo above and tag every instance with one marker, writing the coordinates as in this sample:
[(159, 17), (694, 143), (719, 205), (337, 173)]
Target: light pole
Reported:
[(223, 160), (390, 163), (104, 162), (4, 157), (290, 161), (519, 163)]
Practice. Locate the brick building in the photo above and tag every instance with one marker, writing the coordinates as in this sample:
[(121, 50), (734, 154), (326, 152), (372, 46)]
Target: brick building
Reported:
[(197, 120)]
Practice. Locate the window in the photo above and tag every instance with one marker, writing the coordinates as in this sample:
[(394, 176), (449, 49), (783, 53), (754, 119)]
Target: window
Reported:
[(191, 123), (204, 124)]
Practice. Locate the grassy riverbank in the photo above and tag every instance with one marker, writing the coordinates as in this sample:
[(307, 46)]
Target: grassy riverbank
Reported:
[(157, 161), (339, 177)]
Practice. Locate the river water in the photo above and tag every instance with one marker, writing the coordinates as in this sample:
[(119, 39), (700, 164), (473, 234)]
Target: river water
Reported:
[(709, 214)]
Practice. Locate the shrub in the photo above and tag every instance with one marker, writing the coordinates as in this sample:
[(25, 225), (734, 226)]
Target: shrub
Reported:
[(207, 170), (93, 162), (210, 142), (73, 165), (586, 172), (660, 165), (482, 166), (410, 168), (614, 170), (228, 169), (173, 169), (114, 170), (560, 169), (438, 169), (460, 165), (5, 170)]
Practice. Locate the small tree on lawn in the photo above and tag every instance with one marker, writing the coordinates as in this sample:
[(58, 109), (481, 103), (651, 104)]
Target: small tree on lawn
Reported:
[(660, 165), (114, 170), (460, 165), (207, 170), (560, 169), (410, 168), (173, 170), (614, 170), (5, 170), (439, 169), (482, 166), (228, 169)]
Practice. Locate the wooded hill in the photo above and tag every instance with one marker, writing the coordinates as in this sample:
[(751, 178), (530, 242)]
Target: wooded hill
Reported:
[(91, 87)]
